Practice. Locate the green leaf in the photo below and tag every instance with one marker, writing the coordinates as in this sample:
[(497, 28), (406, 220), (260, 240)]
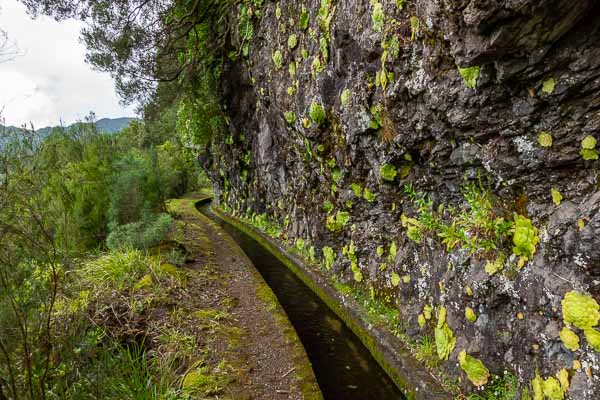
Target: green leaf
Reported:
[(476, 371), (444, 341)]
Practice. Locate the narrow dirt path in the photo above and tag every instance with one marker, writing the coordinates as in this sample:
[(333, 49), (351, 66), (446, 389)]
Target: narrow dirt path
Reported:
[(245, 333)]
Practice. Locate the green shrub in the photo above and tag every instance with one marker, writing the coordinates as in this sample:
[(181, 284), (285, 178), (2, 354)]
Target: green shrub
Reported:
[(140, 235)]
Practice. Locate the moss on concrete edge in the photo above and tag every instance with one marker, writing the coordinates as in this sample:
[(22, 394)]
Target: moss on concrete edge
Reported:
[(389, 352), (307, 382)]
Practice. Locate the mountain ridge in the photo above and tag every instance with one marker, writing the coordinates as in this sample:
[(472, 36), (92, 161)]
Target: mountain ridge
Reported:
[(106, 125)]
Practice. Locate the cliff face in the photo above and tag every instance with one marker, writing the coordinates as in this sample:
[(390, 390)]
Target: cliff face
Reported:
[(438, 138)]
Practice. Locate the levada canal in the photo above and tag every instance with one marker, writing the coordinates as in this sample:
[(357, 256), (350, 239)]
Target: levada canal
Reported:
[(344, 368)]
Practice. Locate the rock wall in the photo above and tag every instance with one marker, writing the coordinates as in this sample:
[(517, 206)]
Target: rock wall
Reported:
[(383, 114)]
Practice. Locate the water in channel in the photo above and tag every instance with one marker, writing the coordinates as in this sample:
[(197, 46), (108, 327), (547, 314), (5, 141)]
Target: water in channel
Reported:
[(344, 368)]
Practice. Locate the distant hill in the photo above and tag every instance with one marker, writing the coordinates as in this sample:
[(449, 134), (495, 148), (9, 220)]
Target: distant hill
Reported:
[(106, 125)]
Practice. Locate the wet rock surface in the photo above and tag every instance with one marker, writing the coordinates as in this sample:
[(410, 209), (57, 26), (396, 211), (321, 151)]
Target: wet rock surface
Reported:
[(393, 94)]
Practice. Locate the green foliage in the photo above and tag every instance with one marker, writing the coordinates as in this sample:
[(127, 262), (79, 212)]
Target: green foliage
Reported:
[(552, 389), (570, 339), (388, 172), (503, 387), (356, 189), (277, 59), (377, 16), (345, 97), (470, 315), (199, 115), (350, 253), (338, 222), (556, 196), (537, 384), (426, 351), (290, 117), (476, 371), (369, 196), (444, 337), (304, 19), (376, 111), (143, 234), (277, 11), (593, 338), (545, 139), (414, 27), (477, 227), (292, 41), (395, 279), (525, 237), (588, 148), (580, 310), (325, 15), (470, 75), (492, 267), (328, 257), (317, 113), (548, 86), (444, 341)]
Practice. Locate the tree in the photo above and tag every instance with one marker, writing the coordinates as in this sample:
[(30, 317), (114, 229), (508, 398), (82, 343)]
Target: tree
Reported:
[(142, 42), (8, 48)]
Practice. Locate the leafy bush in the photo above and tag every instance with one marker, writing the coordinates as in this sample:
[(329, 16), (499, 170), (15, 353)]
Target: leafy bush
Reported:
[(140, 235)]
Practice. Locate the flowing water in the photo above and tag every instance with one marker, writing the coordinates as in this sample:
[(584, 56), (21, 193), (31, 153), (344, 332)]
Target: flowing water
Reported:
[(344, 368)]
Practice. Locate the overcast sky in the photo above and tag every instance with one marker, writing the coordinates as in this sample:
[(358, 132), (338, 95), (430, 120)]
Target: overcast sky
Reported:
[(50, 80)]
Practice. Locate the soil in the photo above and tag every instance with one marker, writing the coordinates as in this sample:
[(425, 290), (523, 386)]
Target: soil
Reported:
[(245, 325)]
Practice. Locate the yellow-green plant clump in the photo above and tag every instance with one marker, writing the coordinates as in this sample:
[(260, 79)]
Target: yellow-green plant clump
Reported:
[(444, 337), (569, 339), (476, 371), (580, 310)]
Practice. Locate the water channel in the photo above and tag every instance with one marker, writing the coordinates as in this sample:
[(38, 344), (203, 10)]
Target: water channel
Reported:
[(344, 368)]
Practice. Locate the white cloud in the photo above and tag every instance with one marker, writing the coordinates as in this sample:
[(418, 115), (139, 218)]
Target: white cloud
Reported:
[(50, 80)]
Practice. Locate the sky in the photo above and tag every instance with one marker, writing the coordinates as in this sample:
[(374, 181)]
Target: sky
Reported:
[(49, 83)]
